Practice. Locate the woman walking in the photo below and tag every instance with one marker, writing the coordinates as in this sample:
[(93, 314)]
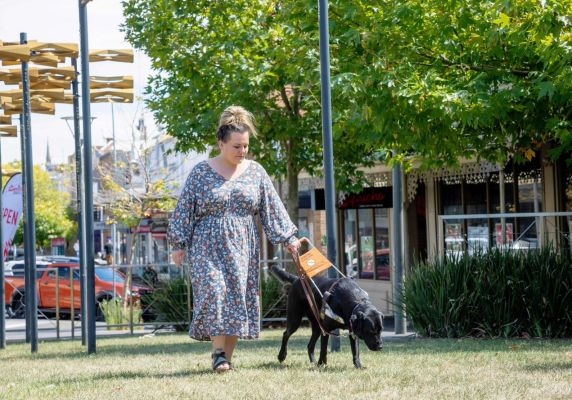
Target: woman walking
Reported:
[(214, 226)]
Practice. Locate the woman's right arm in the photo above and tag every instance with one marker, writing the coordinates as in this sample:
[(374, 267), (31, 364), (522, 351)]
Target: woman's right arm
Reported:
[(181, 222)]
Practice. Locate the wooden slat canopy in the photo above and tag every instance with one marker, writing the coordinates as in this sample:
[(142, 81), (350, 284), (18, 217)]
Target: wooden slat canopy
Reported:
[(125, 56), (38, 105), (9, 130), (111, 82), (112, 96)]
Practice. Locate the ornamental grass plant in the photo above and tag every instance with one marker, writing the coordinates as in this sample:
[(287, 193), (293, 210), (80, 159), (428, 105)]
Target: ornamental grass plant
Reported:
[(118, 313), (492, 294), (171, 302)]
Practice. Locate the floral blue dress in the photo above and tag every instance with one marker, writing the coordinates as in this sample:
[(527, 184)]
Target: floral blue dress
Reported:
[(215, 222)]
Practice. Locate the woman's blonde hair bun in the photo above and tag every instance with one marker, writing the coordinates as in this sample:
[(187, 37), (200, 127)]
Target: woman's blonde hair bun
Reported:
[(235, 119)]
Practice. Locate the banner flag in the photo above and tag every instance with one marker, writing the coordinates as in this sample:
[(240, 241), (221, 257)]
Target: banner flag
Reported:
[(12, 207)]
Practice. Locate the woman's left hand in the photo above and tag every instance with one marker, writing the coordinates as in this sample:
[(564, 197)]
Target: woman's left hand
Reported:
[(293, 247)]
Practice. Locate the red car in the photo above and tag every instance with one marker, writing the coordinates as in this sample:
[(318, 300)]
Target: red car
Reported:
[(108, 284)]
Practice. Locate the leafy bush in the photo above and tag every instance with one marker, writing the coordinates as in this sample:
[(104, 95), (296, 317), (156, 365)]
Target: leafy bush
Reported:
[(273, 297), (117, 312), (171, 303), (493, 294)]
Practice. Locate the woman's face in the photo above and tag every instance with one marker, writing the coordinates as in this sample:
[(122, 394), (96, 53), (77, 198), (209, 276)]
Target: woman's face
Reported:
[(234, 150)]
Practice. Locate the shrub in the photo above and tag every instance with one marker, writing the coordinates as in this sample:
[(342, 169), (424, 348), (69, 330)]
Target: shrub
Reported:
[(171, 303), (493, 294), (273, 297)]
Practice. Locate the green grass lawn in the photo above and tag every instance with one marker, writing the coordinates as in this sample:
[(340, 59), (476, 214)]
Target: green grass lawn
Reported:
[(175, 367)]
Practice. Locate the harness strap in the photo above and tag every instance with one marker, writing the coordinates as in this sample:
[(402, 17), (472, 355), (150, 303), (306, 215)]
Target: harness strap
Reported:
[(308, 292)]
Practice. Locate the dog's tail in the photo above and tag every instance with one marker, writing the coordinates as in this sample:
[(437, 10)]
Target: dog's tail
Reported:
[(283, 275)]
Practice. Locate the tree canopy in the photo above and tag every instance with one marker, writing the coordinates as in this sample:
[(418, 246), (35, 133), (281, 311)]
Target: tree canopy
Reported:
[(449, 79), (51, 210), (263, 55), (433, 79)]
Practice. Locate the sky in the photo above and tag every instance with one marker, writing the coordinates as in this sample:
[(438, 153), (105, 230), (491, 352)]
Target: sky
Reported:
[(58, 21)]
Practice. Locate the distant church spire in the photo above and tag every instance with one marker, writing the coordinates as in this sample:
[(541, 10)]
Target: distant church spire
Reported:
[(48, 157)]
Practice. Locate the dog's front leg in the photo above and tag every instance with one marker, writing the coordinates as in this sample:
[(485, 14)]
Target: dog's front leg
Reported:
[(312, 343), (323, 360), (354, 344)]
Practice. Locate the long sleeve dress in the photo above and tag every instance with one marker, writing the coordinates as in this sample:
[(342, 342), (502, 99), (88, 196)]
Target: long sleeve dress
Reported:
[(215, 222)]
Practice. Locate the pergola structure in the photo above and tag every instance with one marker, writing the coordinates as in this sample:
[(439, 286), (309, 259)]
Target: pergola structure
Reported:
[(40, 87)]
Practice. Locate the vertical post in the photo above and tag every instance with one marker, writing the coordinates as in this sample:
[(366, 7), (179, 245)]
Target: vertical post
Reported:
[(328, 144), (2, 296), (27, 251), (88, 182), (30, 231), (115, 247), (502, 202), (397, 250), (79, 201)]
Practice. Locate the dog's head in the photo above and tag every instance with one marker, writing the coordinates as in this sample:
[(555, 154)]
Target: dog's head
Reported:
[(367, 324)]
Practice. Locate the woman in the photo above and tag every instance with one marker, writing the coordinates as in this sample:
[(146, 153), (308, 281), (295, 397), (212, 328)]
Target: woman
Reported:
[(214, 225)]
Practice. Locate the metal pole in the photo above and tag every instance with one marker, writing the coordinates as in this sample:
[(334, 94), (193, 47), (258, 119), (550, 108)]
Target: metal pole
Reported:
[(88, 182), (30, 231), (2, 296), (27, 251), (502, 207), (331, 230), (80, 203), (397, 251), (114, 169)]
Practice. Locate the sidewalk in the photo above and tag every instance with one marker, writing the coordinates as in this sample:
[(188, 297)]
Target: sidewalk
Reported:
[(48, 330)]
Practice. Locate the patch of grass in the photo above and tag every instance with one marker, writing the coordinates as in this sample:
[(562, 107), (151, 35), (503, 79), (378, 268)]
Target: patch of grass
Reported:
[(175, 367)]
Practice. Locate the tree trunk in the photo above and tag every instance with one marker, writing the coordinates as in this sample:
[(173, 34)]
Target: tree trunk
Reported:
[(292, 199)]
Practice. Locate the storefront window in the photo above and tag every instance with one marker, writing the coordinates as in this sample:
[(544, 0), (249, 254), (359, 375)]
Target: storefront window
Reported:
[(366, 260), (350, 242), (366, 243), (479, 195), (382, 252)]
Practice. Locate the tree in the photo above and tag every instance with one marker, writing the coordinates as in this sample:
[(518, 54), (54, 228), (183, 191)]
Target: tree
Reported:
[(51, 214), (260, 54), (433, 81), (447, 79), (130, 202)]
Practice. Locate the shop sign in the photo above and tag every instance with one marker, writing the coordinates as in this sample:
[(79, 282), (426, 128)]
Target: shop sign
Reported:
[(12, 205), (369, 198)]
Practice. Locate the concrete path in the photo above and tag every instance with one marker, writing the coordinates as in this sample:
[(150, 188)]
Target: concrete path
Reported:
[(49, 330)]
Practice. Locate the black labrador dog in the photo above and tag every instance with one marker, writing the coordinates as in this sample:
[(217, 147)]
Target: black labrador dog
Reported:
[(347, 300)]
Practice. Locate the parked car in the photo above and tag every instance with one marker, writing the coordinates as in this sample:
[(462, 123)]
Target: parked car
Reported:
[(17, 268), (108, 284)]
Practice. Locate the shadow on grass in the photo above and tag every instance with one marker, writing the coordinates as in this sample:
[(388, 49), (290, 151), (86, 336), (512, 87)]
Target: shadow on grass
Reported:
[(146, 347), (182, 345), (549, 367)]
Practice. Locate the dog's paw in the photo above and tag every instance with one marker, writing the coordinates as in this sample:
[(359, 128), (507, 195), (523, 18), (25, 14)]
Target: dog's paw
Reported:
[(281, 357)]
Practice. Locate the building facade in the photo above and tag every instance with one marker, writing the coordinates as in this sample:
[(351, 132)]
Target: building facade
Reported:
[(476, 207)]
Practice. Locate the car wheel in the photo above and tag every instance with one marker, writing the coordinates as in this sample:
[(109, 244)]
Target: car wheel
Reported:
[(19, 306)]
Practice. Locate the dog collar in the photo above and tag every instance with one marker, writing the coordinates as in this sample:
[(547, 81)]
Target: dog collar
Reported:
[(352, 318)]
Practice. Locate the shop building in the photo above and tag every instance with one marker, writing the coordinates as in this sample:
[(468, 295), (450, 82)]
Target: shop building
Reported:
[(449, 212)]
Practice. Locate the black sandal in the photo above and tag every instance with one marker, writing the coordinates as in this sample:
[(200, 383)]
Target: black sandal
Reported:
[(220, 363)]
